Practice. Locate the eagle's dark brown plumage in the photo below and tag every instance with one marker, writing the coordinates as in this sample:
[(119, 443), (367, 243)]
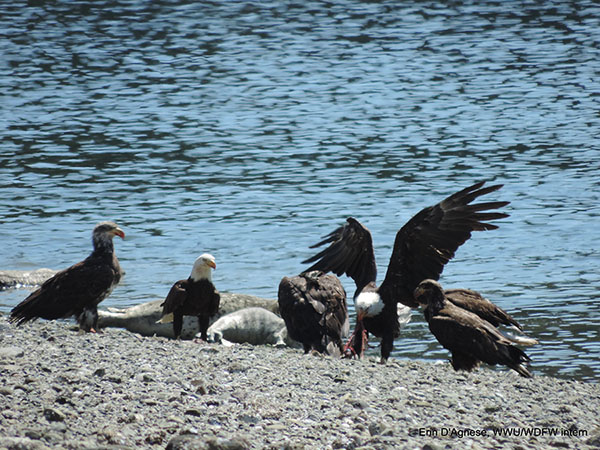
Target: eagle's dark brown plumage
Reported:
[(78, 290), (313, 306), (476, 303), (196, 296), (421, 249), (469, 338)]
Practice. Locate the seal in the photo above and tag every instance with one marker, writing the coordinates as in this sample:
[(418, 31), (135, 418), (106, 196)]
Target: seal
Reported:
[(142, 318), (255, 326)]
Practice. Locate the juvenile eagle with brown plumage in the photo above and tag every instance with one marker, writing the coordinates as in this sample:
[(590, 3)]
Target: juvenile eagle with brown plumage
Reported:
[(313, 307), (469, 338), (78, 290)]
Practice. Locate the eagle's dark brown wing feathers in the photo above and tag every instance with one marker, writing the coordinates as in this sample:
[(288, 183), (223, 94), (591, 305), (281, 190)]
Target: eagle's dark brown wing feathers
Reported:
[(430, 239), (314, 309), (350, 253), (465, 333), (473, 301), (175, 298), (331, 237), (67, 292)]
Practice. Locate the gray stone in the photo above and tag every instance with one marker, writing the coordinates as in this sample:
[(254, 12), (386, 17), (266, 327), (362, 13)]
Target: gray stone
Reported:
[(21, 443), (13, 279), (193, 442), (54, 415), (11, 352)]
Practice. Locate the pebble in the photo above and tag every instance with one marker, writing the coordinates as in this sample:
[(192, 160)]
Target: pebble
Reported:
[(11, 352), (54, 415), (117, 390)]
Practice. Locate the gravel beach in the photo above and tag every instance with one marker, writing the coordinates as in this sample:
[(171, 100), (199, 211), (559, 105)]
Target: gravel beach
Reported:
[(116, 390)]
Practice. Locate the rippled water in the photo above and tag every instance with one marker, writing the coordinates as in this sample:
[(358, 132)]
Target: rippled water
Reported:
[(251, 129)]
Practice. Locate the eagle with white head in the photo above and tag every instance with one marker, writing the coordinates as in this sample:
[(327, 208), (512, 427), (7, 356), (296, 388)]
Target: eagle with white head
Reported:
[(196, 296)]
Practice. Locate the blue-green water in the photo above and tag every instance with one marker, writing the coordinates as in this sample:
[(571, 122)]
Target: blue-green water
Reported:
[(250, 130)]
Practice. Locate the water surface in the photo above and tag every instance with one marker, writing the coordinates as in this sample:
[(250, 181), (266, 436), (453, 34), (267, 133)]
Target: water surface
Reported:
[(249, 130)]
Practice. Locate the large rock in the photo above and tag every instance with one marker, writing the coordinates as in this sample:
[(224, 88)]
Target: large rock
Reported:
[(13, 279)]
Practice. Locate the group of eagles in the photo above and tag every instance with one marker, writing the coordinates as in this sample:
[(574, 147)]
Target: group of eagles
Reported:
[(313, 304)]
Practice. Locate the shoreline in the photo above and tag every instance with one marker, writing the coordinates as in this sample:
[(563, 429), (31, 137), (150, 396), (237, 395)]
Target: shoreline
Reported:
[(117, 389)]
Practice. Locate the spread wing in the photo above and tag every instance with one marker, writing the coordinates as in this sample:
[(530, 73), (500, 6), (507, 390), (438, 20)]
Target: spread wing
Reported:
[(350, 252), (175, 298), (429, 240), (68, 292)]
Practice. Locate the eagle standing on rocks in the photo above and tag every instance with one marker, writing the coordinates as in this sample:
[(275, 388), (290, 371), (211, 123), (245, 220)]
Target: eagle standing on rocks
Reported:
[(422, 248), (313, 306), (469, 338), (78, 290), (196, 296)]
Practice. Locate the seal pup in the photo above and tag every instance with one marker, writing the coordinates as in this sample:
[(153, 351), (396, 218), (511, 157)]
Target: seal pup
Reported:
[(255, 326)]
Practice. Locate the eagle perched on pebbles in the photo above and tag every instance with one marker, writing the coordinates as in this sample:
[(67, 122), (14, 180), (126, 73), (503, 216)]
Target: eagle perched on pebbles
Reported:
[(313, 306), (78, 290), (470, 338), (196, 296)]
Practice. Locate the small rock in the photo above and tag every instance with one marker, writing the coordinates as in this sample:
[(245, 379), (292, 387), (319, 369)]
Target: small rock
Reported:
[(432, 446), (156, 437), (4, 390), (19, 443), (54, 415), (11, 352), (193, 412), (191, 442), (492, 408), (247, 418)]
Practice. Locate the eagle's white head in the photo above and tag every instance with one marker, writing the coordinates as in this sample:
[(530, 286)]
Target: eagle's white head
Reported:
[(202, 267), (368, 304)]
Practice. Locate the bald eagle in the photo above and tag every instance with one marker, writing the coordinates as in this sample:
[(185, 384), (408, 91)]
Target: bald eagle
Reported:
[(421, 249), (78, 290), (469, 338), (196, 296), (313, 306)]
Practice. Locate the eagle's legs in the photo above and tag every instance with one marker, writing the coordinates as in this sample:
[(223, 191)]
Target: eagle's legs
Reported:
[(349, 350)]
